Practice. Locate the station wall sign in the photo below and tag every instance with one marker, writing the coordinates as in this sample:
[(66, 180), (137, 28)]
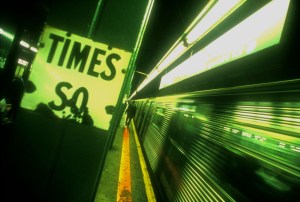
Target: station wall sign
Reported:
[(75, 78)]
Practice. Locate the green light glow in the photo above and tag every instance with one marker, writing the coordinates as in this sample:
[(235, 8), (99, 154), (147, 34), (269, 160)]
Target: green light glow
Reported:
[(148, 79), (215, 16), (201, 118), (205, 21), (272, 180), (179, 48), (6, 34), (264, 116), (273, 135), (258, 139), (175, 53), (259, 31), (270, 143)]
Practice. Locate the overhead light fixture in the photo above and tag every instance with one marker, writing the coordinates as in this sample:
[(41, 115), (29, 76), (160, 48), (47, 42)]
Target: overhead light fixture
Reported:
[(214, 17), (180, 46), (33, 49), (22, 62), (259, 31), (149, 78), (24, 44), (6, 34), (209, 17)]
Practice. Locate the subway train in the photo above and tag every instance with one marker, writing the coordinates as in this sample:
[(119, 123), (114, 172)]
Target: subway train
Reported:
[(230, 133), (223, 146)]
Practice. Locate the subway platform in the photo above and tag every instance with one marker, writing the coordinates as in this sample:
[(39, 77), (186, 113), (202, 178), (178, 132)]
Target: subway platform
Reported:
[(125, 176)]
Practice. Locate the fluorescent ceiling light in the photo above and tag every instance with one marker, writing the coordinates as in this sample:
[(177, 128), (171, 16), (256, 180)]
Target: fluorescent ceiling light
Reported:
[(25, 44), (22, 62), (259, 31), (180, 45), (215, 12), (209, 17), (175, 53), (33, 49), (6, 34), (214, 17), (148, 79)]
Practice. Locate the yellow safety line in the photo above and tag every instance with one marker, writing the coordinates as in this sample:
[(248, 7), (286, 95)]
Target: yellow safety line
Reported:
[(124, 184), (148, 186)]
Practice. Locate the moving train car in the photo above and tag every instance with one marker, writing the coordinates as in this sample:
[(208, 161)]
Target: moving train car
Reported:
[(223, 146), (231, 130)]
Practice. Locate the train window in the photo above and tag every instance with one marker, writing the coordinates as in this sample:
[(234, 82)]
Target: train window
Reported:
[(186, 107), (158, 117)]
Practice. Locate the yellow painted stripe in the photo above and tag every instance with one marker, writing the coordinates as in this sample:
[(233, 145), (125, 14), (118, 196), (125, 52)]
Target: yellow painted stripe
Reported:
[(148, 186), (124, 184)]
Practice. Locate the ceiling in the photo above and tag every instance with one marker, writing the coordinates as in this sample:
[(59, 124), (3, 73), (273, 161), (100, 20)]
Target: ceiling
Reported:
[(168, 20)]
